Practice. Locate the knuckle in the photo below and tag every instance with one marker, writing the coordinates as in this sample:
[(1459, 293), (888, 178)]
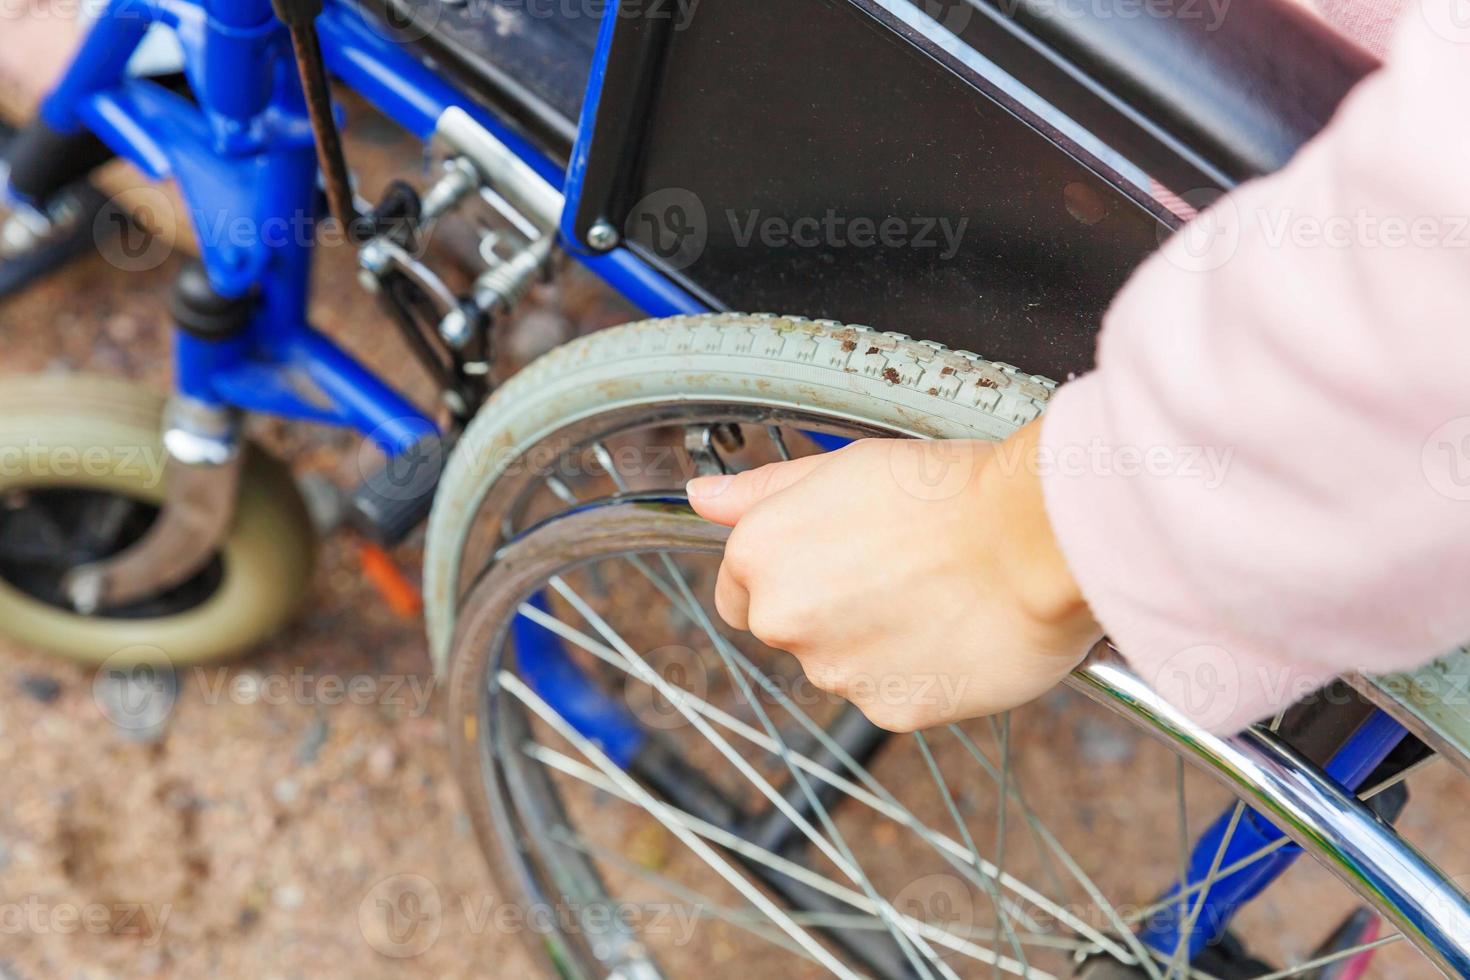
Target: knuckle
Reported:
[(831, 678), (743, 550), (899, 719), (728, 610), (774, 625)]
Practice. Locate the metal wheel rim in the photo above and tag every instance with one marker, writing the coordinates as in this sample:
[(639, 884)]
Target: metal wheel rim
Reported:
[(508, 495), (124, 529), (1314, 812)]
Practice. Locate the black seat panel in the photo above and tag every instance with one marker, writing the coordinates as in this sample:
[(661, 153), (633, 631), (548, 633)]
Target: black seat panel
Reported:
[(519, 57), (1243, 85)]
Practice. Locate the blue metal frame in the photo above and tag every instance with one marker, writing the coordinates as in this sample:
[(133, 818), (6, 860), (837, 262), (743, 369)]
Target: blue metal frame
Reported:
[(243, 158), (1247, 835), (244, 150)]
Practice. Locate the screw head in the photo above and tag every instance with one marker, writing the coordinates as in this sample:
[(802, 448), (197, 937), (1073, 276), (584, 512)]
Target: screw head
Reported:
[(374, 258), (602, 236), (455, 328)]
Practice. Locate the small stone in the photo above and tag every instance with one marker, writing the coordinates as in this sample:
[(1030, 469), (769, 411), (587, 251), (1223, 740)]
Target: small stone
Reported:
[(381, 762), (139, 701), (286, 791), (41, 687), (311, 742), (649, 846), (288, 897), (123, 328)]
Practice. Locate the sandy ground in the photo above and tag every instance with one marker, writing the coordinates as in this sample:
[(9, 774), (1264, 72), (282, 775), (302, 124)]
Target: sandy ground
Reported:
[(263, 830), (273, 827)]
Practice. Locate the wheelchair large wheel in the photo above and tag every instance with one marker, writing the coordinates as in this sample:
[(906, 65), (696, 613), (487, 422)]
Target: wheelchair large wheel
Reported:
[(81, 462), (664, 796)]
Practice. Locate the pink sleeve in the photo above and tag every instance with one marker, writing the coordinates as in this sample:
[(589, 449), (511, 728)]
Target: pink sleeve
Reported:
[(1266, 481)]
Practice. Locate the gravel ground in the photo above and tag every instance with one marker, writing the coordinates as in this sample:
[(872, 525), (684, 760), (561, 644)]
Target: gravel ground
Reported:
[(270, 826), (259, 830)]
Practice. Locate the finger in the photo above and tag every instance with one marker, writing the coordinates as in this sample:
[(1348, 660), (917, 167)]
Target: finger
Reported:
[(725, 499), (732, 600)]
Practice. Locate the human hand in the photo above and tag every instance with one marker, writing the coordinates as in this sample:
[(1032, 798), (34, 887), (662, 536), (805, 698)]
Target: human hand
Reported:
[(919, 580)]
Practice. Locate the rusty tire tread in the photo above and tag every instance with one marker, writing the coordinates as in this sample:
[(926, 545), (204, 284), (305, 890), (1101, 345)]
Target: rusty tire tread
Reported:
[(888, 379)]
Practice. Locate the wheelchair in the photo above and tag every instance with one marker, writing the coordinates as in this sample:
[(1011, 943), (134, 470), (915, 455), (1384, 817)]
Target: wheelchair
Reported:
[(965, 175)]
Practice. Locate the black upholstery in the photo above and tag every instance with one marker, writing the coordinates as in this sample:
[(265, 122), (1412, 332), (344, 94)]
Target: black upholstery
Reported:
[(523, 58), (1240, 83), (1243, 88)]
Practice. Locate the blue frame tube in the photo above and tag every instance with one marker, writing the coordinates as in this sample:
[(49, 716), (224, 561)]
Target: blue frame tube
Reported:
[(551, 673), (401, 88), (243, 157), (1353, 762)]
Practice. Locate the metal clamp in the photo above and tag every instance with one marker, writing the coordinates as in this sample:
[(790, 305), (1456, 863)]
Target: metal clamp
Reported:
[(201, 483)]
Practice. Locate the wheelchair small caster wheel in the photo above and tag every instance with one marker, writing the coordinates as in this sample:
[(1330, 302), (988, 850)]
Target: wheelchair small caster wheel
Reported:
[(81, 478)]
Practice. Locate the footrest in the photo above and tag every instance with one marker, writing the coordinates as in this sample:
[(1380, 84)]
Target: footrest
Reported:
[(396, 498)]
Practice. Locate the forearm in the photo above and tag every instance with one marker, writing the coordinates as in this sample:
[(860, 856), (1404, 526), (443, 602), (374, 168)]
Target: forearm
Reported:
[(1319, 353)]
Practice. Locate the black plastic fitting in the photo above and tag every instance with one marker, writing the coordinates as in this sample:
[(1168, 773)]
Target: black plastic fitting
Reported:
[(204, 313)]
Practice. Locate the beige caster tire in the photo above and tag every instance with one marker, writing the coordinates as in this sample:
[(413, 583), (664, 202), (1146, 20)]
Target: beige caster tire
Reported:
[(70, 442)]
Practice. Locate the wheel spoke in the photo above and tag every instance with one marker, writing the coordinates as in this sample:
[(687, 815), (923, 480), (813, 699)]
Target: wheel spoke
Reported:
[(947, 795), (1003, 739), (906, 940), (753, 852), (1330, 958), (665, 816), (882, 800), (779, 441), (1014, 791), (1181, 906), (903, 936), (1182, 944), (828, 848), (1265, 850), (702, 904), (1140, 954)]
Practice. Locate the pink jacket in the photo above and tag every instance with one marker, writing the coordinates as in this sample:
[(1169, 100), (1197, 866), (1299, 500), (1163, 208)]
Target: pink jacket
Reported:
[(1266, 481)]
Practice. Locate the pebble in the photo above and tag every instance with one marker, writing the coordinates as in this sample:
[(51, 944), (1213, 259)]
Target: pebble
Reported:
[(381, 762), (286, 791), (288, 897), (41, 687), (311, 742), (139, 702), (123, 328)]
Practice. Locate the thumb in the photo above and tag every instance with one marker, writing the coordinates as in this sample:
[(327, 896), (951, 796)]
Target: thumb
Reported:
[(725, 499)]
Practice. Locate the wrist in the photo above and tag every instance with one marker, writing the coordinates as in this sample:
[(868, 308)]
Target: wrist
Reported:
[(1034, 567)]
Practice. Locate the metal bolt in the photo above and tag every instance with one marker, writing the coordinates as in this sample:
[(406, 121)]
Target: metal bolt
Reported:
[(455, 328), (82, 587), (23, 231), (603, 236), (374, 258), (460, 177), (373, 263)]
